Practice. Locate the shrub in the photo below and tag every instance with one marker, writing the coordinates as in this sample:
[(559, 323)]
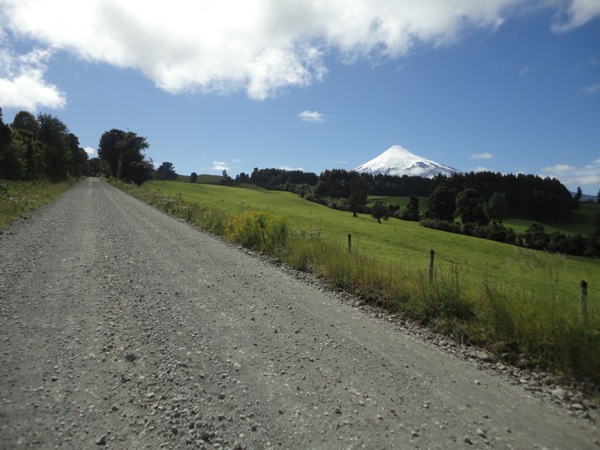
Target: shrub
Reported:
[(258, 230)]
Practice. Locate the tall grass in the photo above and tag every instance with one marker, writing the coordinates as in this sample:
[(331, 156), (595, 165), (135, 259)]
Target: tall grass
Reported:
[(541, 325)]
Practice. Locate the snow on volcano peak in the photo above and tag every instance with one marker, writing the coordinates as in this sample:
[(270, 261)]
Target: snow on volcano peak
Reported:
[(398, 161)]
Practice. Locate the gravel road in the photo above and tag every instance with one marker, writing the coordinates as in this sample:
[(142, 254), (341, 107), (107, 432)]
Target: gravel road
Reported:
[(123, 328)]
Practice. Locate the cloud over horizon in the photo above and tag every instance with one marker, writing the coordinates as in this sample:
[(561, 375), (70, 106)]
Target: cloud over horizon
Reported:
[(576, 176), (257, 46)]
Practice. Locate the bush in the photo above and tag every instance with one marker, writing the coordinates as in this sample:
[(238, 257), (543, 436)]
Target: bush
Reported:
[(258, 230), (441, 225)]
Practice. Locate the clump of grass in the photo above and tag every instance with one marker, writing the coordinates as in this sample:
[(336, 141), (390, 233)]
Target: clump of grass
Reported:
[(258, 230)]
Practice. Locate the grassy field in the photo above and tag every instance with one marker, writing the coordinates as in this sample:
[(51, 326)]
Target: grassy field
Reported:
[(478, 261), (492, 294), (18, 198)]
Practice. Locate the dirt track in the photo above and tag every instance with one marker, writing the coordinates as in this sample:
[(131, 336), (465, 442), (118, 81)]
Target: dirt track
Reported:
[(123, 328)]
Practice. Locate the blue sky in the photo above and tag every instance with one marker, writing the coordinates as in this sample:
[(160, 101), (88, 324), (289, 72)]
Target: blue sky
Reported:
[(510, 86)]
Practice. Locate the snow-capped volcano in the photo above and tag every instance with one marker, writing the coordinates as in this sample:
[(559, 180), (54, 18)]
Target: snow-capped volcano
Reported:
[(398, 161)]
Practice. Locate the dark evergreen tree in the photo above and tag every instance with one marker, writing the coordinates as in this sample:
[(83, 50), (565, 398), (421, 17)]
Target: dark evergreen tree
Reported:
[(55, 144), (412, 210), (193, 177), (358, 195), (496, 208)]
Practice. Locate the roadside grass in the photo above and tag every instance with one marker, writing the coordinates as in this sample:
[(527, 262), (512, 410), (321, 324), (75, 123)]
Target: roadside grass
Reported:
[(18, 198), (521, 305)]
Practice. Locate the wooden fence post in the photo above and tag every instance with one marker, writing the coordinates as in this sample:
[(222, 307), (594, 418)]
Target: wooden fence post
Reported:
[(584, 311), (349, 243), (431, 258)]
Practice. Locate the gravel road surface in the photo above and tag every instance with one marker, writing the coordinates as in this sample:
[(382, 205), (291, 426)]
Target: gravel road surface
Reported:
[(123, 328)]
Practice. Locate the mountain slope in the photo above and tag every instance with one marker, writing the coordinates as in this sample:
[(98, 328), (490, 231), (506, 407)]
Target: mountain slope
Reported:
[(399, 161)]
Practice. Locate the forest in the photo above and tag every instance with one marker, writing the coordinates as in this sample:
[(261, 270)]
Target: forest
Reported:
[(42, 147)]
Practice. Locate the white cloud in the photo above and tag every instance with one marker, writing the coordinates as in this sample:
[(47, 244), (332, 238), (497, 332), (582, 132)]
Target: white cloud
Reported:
[(22, 84), (260, 46), (482, 156), (312, 116), (525, 70), (578, 13), (220, 165), (591, 89), (559, 168), (588, 175), (481, 169), (90, 151), (288, 168)]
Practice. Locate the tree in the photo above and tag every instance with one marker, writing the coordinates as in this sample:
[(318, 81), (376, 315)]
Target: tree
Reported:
[(93, 167), (77, 157), (379, 210), (166, 171), (470, 207), (26, 121), (412, 209), (578, 194), (496, 208), (193, 177), (122, 155), (598, 196), (226, 179), (7, 157), (54, 141), (358, 195), (442, 203), (108, 150)]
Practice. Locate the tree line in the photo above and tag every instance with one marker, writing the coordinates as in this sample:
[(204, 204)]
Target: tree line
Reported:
[(523, 196), (42, 147), (121, 155)]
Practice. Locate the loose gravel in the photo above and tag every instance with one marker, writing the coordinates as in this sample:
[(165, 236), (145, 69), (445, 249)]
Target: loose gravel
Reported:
[(123, 328)]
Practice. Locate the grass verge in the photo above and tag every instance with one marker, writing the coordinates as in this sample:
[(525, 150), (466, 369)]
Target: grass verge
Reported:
[(19, 198)]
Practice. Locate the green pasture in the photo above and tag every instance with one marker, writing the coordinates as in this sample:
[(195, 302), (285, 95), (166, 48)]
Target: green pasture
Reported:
[(478, 262)]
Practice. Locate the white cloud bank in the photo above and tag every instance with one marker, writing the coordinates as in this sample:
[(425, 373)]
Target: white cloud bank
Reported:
[(589, 175), (22, 83), (260, 46)]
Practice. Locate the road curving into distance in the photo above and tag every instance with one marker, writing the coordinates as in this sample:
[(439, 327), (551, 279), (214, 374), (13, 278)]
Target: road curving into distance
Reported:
[(123, 328)]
